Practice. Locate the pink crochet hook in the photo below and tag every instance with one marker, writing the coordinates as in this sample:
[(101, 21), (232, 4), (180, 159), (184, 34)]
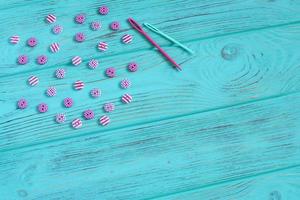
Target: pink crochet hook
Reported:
[(137, 27)]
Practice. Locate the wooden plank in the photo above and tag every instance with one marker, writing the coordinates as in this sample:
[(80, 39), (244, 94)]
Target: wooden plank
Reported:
[(185, 20), (228, 70), (160, 158), (274, 186)]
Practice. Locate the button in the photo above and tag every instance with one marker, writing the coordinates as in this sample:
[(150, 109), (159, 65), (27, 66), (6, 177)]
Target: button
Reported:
[(115, 25), (76, 60), (60, 118), (22, 104), (108, 107), (57, 29), (88, 114), (104, 120), (126, 98), (32, 42), (14, 39), (103, 10), (51, 91), (42, 59), (60, 73), (80, 18), (125, 83), (95, 25), (102, 46), (79, 37), (95, 93), (76, 123), (78, 85), (93, 64), (132, 66), (42, 107), (54, 47), (33, 80), (22, 59), (110, 72), (51, 18), (126, 39), (68, 102)]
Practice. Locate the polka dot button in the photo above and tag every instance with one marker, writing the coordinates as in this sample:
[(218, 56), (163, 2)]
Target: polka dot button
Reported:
[(68, 102), (22, 104), (79, 37), (103, 10), (80, 18), (95, 92), (110, 72), (60, 118), (132, 67), (95, 26), (32, 42), (88, 114), (41, 60), (108, 107), (23, 59), (42, 108), (57, 29), (115, 26)]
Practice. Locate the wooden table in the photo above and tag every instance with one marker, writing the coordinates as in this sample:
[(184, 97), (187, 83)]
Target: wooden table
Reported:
[(226, 127)]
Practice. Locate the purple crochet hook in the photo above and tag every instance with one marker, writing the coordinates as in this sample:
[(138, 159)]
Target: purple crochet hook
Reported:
[(137, 27)]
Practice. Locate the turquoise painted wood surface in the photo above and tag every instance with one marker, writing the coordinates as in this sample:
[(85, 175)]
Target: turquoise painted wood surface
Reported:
[(226, 127)]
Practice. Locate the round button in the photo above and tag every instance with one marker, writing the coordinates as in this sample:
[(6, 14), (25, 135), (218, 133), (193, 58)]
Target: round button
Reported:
[(32, 42), (93, 64), (42, 108), (41, 60), (88, 114), (57, 29), (103, 10), (68, 102), (80, 18), (60, 118), (79, 37), (60, 73), (132, 66), (23, 59), (108, 107), (22, 104), (95, 26), (125, 84), (95, 92), (115, 25), (110, 72)]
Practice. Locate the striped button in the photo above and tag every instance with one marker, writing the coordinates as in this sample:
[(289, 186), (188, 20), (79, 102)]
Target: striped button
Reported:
[(51, 91), (14, 39), (51, 18), (104, 120), (54, 47), (60, 73), (78, 85), (126, 98), (102, 46), (76, 123), (93, 63), (76, 60), (33, 80), (127, 38)]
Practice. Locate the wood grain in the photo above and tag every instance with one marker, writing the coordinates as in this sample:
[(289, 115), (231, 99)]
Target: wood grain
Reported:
[(160, 158)]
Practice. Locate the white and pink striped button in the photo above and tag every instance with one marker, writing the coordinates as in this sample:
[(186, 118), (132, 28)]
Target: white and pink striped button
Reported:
[(14, 39), (77, 123), (104, 120), (76, 60), (78, 85), (126, 39), (54, 47), (33, 80), (51, 18), (102, 46), (126, 98)]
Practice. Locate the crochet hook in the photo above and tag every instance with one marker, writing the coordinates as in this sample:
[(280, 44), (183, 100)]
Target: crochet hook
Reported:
[(137, 27), (156, 30)]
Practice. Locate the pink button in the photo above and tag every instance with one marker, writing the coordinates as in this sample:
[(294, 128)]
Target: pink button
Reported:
[(68, 102), (51, 91), (23, 59), (95, 93), (76, 60), (60, 118), (102, 46), (103, 10), (22, 104), (51, 18), (132, 66), (115, 26), (14, 39), (93, 64), (88, 114), (79, 37), (108, 107), (54, 47), (76, 123), (110, 72), (57, 29), (42, 108), (104, 120), (60, 73), (126, 98), (32, 42), (126, 39), (95, 26), (33, 80), (42, 59), (78, 85), (125, 84), (80, 18)]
